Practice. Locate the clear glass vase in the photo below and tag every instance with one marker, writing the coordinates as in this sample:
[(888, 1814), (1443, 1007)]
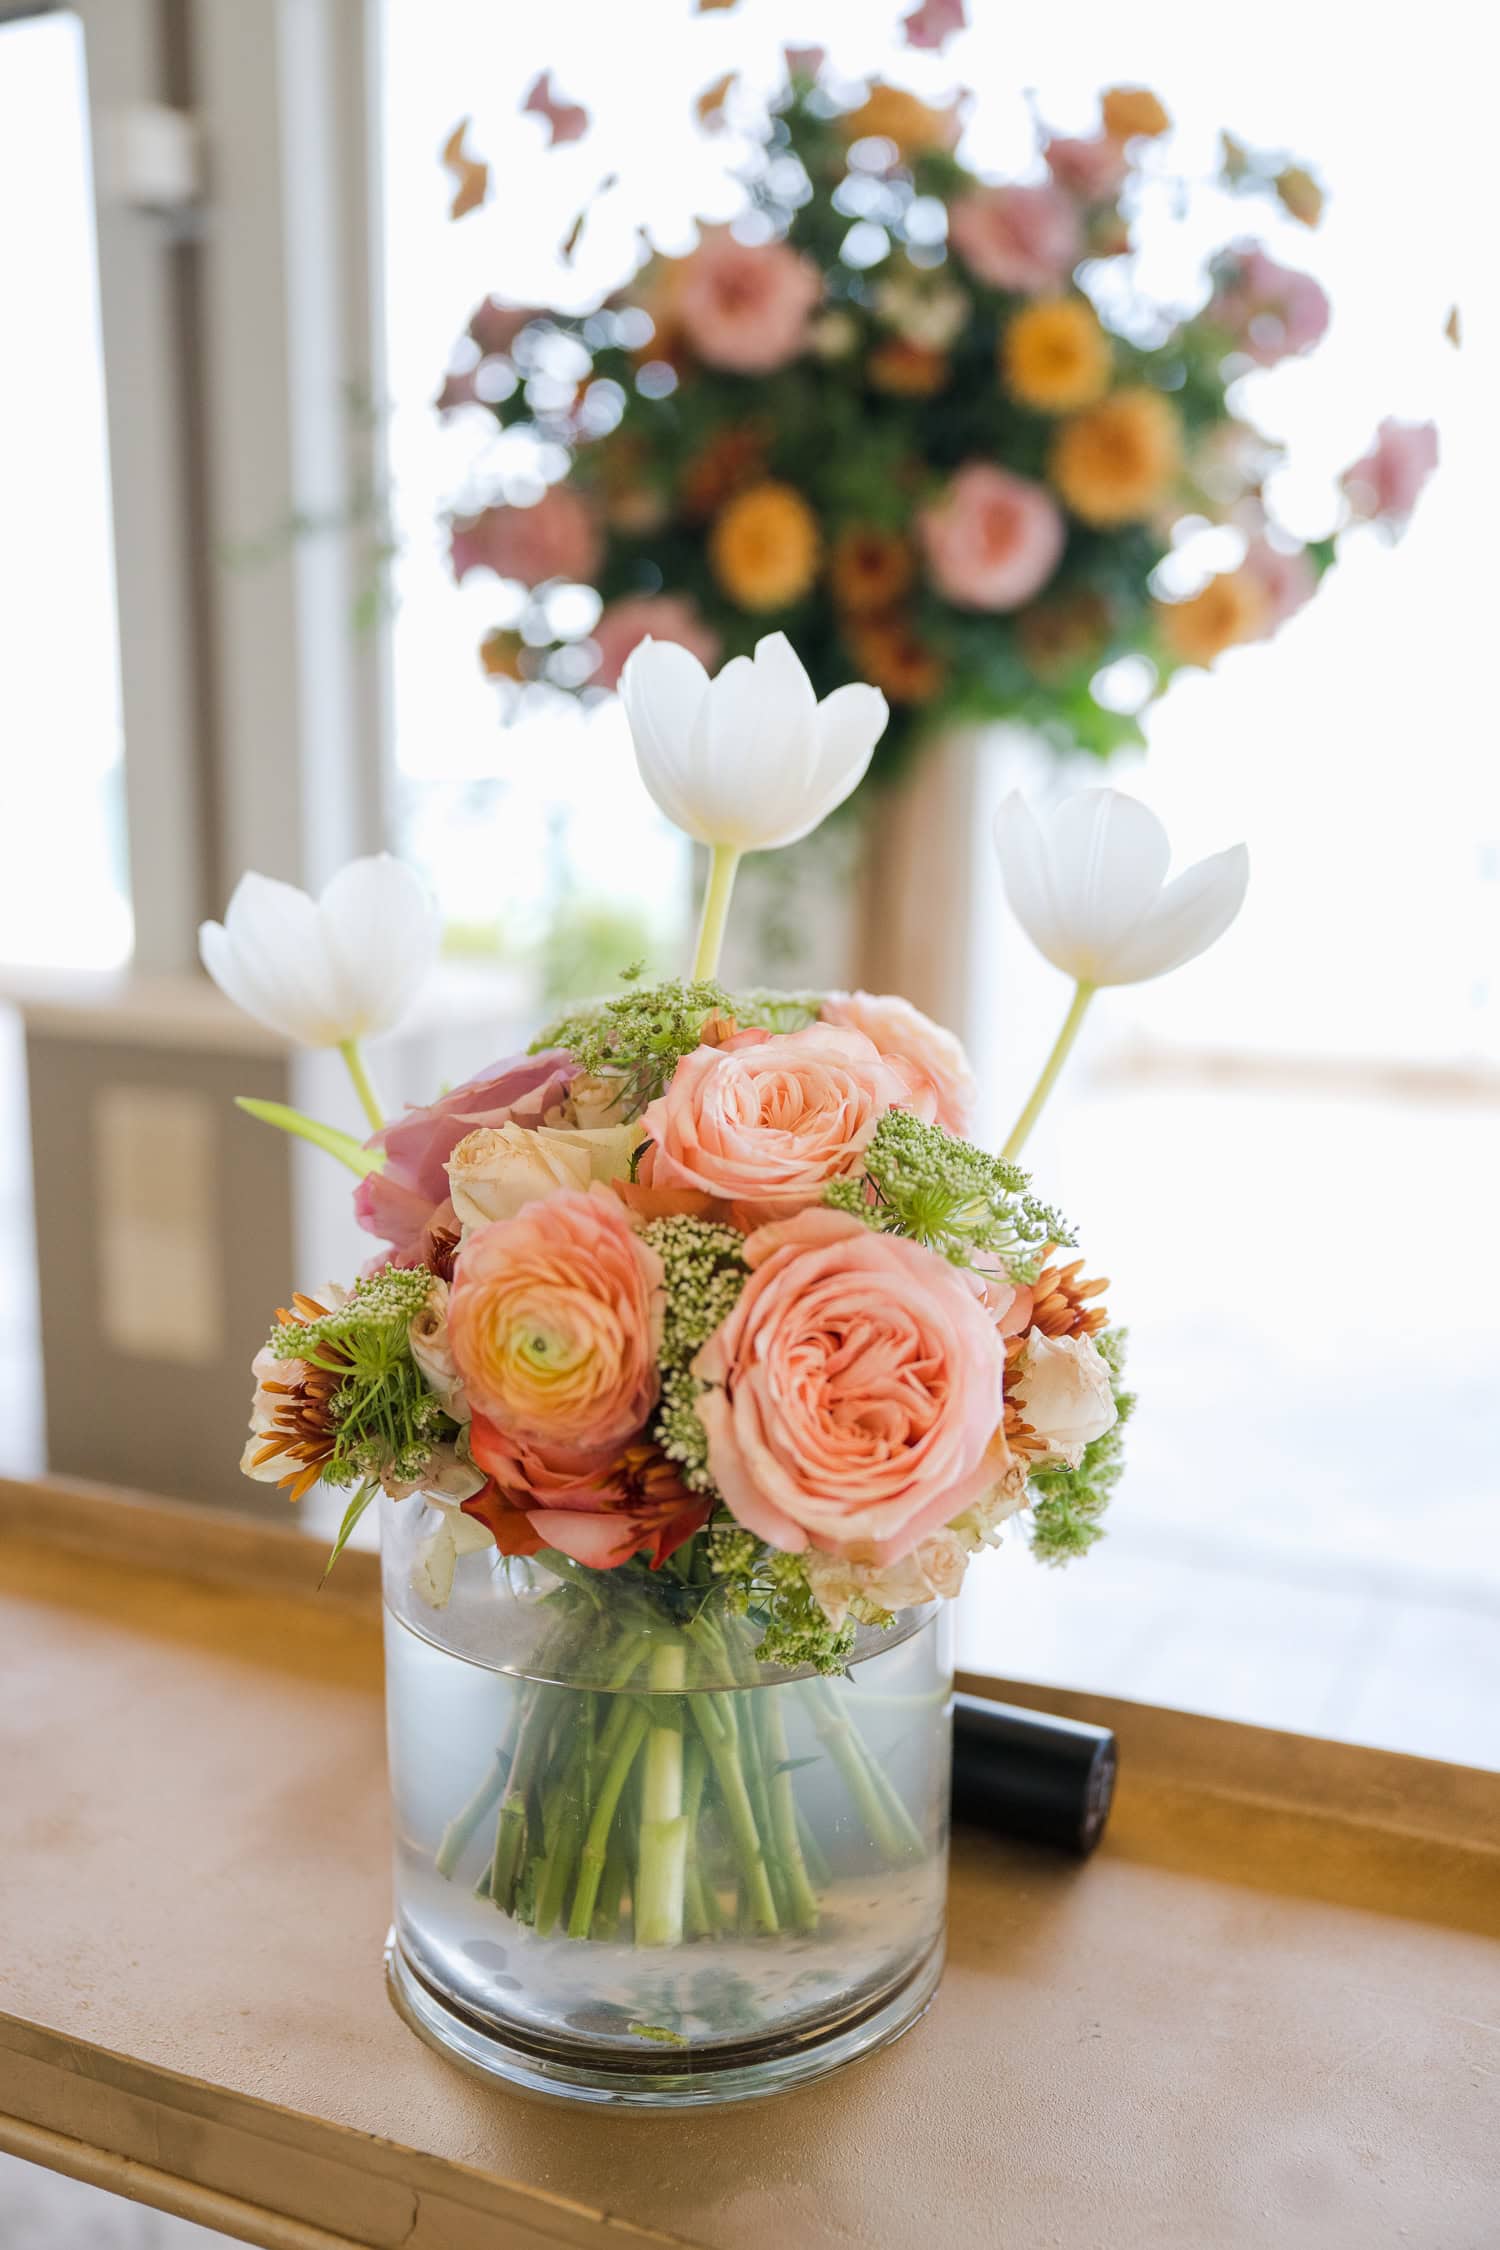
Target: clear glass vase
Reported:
[(635, 1865)]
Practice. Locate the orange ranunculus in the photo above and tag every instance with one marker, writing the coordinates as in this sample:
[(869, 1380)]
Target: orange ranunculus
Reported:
[(905, 369), (889, 113), (1231, 608), (1133, 112), (892, 656), (870, 568), (1057, 637), (763, 548), (1113, 462), (1054, 356)]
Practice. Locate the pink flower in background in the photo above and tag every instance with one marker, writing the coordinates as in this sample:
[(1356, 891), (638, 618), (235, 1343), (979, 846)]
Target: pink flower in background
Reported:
[(762, 1122), (557, 538), (494, 327), (565, 120), (658, 617), (856, 1392), (933, 23), (1287, 581), (1387, 483), (804, 62), (1093, 170), (1021, 238), (745, 306), (407, 1205), (992, 540), (457, 390), (1273, 312), (930, 1057)]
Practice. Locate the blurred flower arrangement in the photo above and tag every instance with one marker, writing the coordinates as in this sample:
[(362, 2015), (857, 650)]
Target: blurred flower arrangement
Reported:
[(922, 420)]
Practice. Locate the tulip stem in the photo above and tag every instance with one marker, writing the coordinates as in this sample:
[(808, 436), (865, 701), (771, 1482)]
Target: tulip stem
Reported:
[(369, 1101), (1062, 1048), (723, 868)]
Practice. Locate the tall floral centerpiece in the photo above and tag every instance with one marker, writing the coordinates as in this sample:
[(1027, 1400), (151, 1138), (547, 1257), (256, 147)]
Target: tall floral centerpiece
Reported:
[(928, 422), (699, 1355)]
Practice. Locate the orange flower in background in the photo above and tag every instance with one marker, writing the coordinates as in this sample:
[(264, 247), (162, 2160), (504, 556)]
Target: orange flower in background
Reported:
[(1133, 112), (1059, 637), (1300, 194), (889, 113), (500, 655), (1113, 462), (870, 568), (905, 369), (1229, 609), (731, 459), (763, 548), (893, 657), (1055, 356)]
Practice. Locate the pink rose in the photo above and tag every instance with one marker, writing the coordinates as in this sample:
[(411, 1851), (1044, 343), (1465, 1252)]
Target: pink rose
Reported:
[(1021, 238), (1286, 581), (763, 1122), (634, 1503), (407, 1204), (933, 22), (1093, 170), (856, 1391), (992, 540), (658, 617), (745, 306), (929, 1057), (554, 1321), (557, 538), (1387, 483), (1272, 311)]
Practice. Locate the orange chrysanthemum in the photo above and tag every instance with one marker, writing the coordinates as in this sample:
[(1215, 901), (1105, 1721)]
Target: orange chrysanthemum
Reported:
[(892, 657), (1060, 1306), (299, 1399), (763, 548), (870, 568), (732, 459), (1114, 462), (1133, 113), (1059, 637), (500, 655), (1054, 356), (907, 370), (1229, 609)]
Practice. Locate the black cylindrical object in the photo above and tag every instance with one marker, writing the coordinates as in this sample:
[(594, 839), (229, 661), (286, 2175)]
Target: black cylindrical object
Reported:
[(1022, 1773)]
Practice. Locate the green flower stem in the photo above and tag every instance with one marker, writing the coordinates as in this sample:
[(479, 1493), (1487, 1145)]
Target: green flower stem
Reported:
[(741, 1715), (802, 1898), (664, 1830), (596, 1844), (719, 1738), (330, 1138), (813, 1852), (510, 1829), (606, 1922), (484, 1800), (701, 1915), (880, 1808), (723, 867), (354, 1063), (563, 1820), (1063, 1047)]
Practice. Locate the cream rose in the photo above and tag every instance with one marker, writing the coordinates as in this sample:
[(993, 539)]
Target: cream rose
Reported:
[(1063, 1391), (428, 1337), (497, 1170)]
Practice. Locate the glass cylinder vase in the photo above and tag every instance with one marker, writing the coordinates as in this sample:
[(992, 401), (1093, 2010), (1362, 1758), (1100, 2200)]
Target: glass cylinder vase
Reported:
[(634, 1864)]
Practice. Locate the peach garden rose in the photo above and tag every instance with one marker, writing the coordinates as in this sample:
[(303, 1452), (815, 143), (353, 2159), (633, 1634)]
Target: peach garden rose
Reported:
[(762, 1123), (855, 1394), (929, 1056)]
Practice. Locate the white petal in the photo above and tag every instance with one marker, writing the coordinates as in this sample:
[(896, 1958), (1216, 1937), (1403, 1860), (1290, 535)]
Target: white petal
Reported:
[(850, 723), (663, 688), (382, 931), (271, 960), (1026, 873), (1107, 858), (1190, 915)]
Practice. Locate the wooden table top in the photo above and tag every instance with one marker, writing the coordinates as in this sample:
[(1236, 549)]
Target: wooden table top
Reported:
[(1267, 2011)]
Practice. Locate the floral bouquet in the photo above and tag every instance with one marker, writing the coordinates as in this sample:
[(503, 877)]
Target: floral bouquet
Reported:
[(927, 422), (701, 1354)]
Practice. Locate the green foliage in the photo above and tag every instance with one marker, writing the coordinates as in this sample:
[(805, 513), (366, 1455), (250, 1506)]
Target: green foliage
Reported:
[(585, 942), (705, 1272), (772, 1590), (951, 1197), (387, 1422), (643, 1034), (1066, 1504)]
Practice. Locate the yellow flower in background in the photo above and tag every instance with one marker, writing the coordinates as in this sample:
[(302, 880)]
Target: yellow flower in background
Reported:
[(1300, 194), (1055, 356), (764, 547), (889, 113), (1229, 609), (1133, 113), (1113, 462), (500, 655)]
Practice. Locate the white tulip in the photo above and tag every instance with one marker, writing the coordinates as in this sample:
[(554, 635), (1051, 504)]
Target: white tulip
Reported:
[(750, 760), (346, 965), (1089, 888)]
